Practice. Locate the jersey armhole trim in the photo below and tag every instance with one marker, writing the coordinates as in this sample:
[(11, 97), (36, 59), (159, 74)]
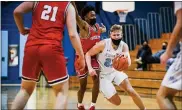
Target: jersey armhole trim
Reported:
[(35, 5), (106, 46), (65, 11)]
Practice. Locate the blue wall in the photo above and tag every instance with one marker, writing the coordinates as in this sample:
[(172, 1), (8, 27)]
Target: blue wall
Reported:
[(14, 38), (141, 10), (8, 24)]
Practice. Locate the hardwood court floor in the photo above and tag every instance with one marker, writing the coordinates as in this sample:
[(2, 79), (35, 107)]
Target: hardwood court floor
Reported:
[(44, 98)]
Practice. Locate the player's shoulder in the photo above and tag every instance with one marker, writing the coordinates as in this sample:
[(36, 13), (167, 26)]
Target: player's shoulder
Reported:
[(124, 43), (102, 42)]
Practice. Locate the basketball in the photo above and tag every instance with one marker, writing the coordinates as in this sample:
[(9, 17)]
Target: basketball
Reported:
[(120, 63)]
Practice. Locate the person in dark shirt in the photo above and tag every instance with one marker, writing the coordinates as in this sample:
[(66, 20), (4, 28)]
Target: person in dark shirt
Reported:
[(155, 58), (142, 54)]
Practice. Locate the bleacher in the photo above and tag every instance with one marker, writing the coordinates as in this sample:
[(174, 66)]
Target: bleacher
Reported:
[(151, 28), (146, 83)]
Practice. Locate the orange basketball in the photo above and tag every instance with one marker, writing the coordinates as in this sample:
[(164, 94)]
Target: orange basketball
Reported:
[(120, 63)]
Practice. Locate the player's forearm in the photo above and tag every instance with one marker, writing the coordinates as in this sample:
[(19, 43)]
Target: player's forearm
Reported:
[(19, 21), (88, 60), (129, 59), (76, 44), (175, 36)]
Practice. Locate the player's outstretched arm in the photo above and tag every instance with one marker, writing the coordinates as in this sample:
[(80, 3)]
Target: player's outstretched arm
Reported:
[(74, 37), (126, 53), (80, 22), (24, 7), (175, 36)]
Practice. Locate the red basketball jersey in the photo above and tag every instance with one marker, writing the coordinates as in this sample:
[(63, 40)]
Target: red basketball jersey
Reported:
[(93, 38), (48, 20)]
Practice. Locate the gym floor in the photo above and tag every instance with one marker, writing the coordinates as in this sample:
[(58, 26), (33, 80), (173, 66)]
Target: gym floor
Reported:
[(44, 98)]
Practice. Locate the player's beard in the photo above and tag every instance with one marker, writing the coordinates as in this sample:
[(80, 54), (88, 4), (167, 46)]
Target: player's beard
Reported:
[(116, 42)]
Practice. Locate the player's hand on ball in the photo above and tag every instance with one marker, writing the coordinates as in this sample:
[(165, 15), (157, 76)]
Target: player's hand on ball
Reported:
[(123, 54), (25, 31), (92, 72)]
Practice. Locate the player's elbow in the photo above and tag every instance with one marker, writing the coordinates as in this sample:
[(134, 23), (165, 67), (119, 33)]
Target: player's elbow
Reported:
[(17, 11), (73, 35)]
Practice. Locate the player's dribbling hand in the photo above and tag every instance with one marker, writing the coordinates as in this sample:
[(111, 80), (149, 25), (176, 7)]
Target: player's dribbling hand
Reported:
[(92, 72), (164, 57), (123, 54), (25, 31)]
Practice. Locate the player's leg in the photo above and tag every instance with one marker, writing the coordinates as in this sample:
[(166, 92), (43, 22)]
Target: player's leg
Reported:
[(165, 98), (135, 96), (82, 75), (170, 84), (109, 91), (81, 91), (54, 67), (95, 89), (30, 73), (61, 91), (115, 99), (23, 95)]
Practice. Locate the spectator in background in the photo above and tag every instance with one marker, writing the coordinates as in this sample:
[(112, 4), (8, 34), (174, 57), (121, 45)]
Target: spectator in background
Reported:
[(155, 58), (142, 54)]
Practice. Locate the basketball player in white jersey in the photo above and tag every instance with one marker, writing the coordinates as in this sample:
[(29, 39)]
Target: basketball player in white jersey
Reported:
[(106, 50), (172, 82)]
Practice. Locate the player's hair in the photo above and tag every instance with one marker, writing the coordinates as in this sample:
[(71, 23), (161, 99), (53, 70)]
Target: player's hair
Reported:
[(116, 27), (165, 43), (86, 10)]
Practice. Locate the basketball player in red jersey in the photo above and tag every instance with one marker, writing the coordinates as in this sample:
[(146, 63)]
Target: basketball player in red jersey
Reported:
[(44, 49), (90, 34)]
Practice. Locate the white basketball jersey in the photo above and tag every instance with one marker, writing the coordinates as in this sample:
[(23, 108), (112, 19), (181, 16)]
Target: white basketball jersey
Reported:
[(107, 55), (177, 6)]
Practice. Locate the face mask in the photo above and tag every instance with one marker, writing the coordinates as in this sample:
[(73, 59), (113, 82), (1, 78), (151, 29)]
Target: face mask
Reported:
[(164, 47), (116, 42), (92, 21)]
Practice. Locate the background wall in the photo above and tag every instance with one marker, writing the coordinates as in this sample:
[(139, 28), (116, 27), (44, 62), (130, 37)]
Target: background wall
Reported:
[(8, 24)]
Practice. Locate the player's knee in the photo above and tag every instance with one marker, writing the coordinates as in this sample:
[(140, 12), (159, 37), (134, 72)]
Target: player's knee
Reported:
[(115, 99), (29, 89), (96, 85), (83, 88), (160, 94), (118, 102), (96, 82), (58, 88)]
